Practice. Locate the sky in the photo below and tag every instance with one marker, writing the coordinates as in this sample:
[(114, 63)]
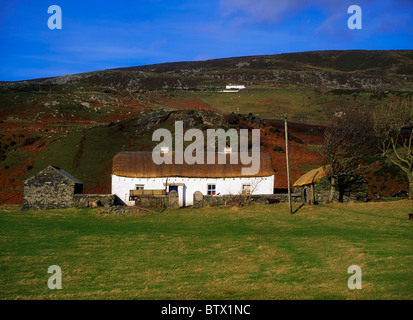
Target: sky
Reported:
[(98, 35)]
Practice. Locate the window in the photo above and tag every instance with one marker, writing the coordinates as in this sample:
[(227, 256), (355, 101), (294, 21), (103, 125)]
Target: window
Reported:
[(211, 189), (139, 187), (246, 189)]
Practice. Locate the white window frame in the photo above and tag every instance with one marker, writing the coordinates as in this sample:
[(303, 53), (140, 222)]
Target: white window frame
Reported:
[(209, 191)]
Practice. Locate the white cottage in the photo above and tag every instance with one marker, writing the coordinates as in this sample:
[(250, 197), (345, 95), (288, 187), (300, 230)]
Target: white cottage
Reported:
[(136, 170)]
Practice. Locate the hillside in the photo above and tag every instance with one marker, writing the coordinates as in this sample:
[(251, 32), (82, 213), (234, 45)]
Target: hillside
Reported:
[(76, 121), (352, 69)]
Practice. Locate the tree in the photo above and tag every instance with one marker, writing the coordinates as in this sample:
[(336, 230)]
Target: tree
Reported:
[(349, 144), (393, 127), (244, 196)]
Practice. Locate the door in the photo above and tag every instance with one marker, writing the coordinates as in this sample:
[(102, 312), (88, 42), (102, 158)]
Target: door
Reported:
[(173, 188)]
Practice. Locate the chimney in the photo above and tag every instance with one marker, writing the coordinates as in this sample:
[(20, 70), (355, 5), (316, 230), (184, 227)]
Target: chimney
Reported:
[(227, 149)]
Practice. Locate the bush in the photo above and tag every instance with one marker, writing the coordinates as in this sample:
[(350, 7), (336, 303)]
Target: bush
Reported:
[(41, 144), (278, 149), (29, 141), (295, 139), (231, 119), (245, 125)]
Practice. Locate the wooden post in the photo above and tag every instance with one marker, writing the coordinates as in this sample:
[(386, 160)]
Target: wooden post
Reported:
[(312, 192), (288, 164), (332, 189)]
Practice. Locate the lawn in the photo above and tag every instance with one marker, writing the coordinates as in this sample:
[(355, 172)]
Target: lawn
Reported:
[(255, 252)]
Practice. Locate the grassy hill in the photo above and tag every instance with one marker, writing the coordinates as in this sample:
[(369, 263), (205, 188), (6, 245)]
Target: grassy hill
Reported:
[(76, 121), (304, 84), (348, 69)]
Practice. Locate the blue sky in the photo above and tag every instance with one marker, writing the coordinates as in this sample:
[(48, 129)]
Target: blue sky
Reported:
[(98, 35)]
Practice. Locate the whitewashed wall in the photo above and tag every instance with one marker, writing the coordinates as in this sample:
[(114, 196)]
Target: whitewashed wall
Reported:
[(122, 185)]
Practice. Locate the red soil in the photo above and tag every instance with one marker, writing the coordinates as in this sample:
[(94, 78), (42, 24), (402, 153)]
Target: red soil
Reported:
[(302, 159)]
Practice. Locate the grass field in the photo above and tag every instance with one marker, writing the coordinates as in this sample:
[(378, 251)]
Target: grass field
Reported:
[(255, 252), (306, 106)]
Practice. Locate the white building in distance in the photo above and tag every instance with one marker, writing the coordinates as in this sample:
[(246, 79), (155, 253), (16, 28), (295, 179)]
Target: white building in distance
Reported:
[(136, 170), (235, 87)]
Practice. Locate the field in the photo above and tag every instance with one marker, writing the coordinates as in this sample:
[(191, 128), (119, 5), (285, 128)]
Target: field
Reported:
[(255, 252), (303, 106)]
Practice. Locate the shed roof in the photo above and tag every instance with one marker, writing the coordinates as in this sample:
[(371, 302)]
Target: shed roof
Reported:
[(59, 170), (68, 175), (312, 176), (141, 165)]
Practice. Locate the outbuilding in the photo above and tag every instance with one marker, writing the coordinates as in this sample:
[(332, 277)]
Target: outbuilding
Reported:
[(306, 183), (51, 188), (315, 187)]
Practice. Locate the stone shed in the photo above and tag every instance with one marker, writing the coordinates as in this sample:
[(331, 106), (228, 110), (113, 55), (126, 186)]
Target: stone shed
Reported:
[(306, 184), (51, 188), (315, 187)]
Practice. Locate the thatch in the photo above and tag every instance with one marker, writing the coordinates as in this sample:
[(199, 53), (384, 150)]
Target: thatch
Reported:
[(312, 176), (141, 165)]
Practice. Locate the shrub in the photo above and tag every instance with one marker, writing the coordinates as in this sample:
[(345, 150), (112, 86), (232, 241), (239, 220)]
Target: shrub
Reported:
[(295, 139), (41, 144), (29, 141), (231, 119), (278, 149)]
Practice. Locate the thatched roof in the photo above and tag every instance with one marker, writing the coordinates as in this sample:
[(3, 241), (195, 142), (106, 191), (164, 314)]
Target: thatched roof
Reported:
[(141, 165), (312, 176)]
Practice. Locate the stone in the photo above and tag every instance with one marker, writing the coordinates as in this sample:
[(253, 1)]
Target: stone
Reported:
[(173, 199), (198, 196)]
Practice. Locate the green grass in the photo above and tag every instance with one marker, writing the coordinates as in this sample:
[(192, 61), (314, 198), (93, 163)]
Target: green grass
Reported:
[(15, 158), (256, 252), (308, 106)]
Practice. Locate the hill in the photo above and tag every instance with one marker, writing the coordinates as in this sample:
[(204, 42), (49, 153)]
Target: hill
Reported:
[(348, 69), (76, 121)]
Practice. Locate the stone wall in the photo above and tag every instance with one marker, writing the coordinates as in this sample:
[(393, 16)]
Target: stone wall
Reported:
[(200, 200), (84, 200), (48, 190), (229, 200), (170, 201)]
